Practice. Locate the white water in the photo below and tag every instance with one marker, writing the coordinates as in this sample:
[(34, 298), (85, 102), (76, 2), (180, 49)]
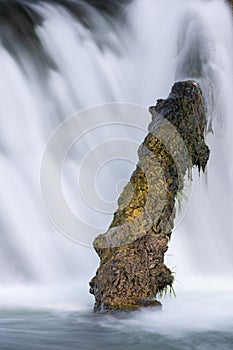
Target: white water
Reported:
[(140, 65)]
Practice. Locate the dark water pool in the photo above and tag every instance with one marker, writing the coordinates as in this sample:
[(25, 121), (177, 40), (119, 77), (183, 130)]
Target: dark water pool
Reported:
[(66, 330)]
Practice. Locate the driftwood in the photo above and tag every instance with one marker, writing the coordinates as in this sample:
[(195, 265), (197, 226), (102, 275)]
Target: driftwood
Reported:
[(132, 270)]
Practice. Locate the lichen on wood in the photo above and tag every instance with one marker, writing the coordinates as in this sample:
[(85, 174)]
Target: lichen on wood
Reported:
[(132, 272)]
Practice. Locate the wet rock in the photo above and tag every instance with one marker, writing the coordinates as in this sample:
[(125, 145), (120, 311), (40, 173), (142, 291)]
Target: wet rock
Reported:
[(132, 270)]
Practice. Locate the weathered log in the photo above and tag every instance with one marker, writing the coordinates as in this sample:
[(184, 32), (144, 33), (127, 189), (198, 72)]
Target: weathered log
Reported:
[(132, 270)]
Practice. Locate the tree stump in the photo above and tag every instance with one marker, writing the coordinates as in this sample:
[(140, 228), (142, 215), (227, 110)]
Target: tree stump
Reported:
[(132, 270)]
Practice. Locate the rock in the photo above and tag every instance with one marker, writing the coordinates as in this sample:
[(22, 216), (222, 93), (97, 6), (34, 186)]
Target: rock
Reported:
[(132, 270)]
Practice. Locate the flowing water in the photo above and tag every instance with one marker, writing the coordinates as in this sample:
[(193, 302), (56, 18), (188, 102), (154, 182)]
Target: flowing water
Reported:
[(56, 60)]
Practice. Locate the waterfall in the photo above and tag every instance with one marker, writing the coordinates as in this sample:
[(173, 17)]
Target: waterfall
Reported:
[(73, 65)]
